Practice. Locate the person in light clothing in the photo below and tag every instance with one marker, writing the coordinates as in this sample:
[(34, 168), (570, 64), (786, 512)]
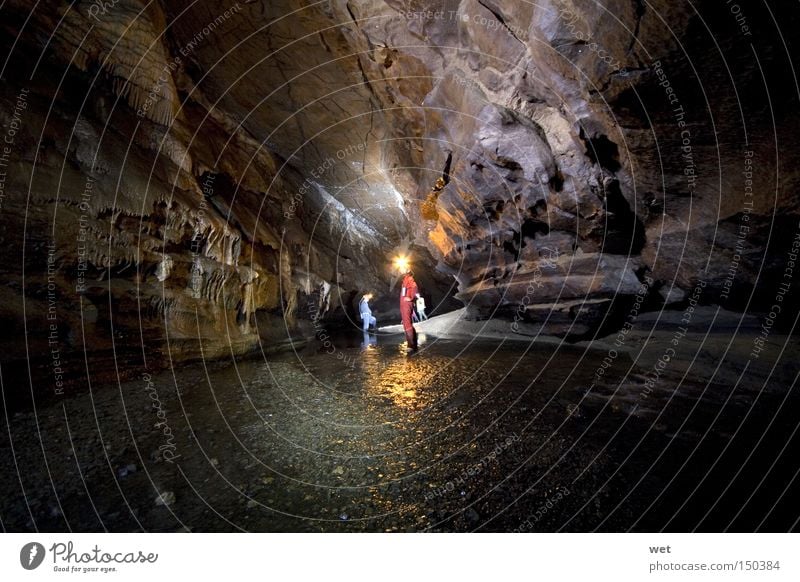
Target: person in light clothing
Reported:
[(367, 319), (421, 308)]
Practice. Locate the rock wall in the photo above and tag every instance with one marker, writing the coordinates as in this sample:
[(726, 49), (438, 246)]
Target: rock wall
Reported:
[(142, 223), (586, 144)]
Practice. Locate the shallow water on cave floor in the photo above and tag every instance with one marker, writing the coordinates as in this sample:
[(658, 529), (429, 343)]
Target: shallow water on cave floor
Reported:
[(462, 436)]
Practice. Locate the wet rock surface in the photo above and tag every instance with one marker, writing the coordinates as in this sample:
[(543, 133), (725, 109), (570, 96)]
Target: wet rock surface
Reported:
[(466, 435)]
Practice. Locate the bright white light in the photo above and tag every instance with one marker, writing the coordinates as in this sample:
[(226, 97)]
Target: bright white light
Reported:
[(402, 263)]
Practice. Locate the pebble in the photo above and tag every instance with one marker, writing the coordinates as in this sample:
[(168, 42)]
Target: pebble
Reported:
[(166, 498), (472, 516), (126, 470)]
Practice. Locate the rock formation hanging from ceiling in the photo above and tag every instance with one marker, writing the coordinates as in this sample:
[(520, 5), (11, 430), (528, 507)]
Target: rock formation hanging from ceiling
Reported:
[(221, 171)]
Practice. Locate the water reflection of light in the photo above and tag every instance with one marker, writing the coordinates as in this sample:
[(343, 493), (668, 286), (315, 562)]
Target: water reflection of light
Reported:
[(407, 382), (400, 382), (369, 343)]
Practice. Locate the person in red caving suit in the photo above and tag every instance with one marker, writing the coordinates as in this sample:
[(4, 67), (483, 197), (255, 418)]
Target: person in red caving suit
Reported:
[(408, 292)]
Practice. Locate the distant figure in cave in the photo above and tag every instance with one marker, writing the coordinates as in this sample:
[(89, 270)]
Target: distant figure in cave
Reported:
[(367, 319), (421, 308), (408, 292)]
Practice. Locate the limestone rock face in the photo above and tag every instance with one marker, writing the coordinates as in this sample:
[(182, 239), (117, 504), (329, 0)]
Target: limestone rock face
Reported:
[(191, 176)]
